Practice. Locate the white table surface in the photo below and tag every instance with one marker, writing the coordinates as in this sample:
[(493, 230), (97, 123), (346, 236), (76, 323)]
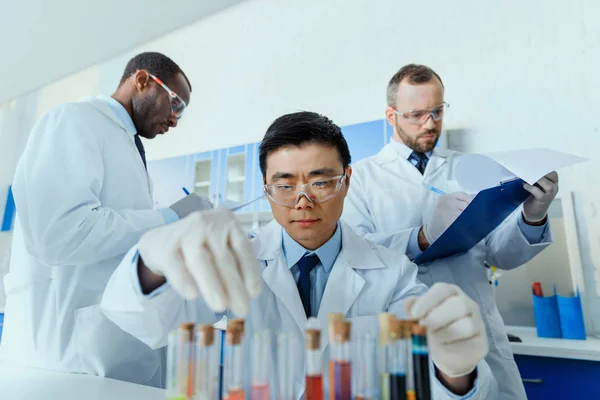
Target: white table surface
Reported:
[(19, 383), (560, 348)]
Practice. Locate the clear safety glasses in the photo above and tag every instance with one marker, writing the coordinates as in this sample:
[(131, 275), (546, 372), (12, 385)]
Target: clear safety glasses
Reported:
[(318, 191), (176, 102), (420, 117)]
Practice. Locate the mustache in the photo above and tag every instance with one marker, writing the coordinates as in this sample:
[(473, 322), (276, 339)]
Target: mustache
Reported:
[(429, 132)]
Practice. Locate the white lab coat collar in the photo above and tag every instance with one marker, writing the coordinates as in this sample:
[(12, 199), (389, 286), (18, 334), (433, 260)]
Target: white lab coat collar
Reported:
[(344, 283), (105, 109), (388, 154), (101, 105), (267, 246)]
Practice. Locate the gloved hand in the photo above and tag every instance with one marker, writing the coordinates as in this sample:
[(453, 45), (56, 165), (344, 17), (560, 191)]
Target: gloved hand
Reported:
[(190, 203), (447, 209), (206, 254), (455, 331), (543, 192)]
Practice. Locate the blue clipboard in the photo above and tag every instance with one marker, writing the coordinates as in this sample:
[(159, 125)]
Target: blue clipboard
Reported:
[(487, 210)]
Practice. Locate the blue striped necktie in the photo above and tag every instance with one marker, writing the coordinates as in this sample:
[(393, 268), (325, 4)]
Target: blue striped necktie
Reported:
[(419, 160)]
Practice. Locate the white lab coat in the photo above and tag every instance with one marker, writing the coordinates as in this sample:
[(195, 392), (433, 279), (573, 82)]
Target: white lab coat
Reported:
[(83, 198), (386, 200), (364, 281)]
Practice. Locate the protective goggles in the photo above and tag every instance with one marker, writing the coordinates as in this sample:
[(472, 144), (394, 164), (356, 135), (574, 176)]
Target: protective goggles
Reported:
[(176, 102), (420, 117), (318, 191)]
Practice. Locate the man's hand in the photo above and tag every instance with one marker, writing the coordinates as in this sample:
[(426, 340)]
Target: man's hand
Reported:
[(205, 254), (455, 332), (447, 209), (542, 192)]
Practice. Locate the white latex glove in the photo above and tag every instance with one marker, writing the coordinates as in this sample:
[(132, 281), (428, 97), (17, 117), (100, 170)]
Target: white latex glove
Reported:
[(207, 254), (190, 203), (455, 331), (543, 192), (447, 209)]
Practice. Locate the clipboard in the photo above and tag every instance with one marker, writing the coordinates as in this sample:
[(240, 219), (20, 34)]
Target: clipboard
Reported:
[(485, 212)]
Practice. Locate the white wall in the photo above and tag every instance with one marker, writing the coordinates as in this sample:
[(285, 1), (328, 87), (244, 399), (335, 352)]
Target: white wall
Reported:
[(517, 73), (45, 41)]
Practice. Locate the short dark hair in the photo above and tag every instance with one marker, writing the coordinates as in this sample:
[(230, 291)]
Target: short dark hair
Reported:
[(415, 74), (302, 128), (157, 64)]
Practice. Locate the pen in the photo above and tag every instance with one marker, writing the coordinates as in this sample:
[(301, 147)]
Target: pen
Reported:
[(434, 189), (187, 192)]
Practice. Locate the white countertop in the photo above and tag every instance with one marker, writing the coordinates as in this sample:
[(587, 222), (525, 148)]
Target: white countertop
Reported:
[(560, 348), (19, 383)]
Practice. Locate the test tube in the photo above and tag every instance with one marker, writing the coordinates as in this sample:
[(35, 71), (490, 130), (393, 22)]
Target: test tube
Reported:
[(342, 365), (383, 353), (397, 366), (363, 367), (314, 373), (234, 364), (410, 374), (204, 383), (420, 353), (331, 320), (180, 363), (287, 362), (221, 377), (261, 365)]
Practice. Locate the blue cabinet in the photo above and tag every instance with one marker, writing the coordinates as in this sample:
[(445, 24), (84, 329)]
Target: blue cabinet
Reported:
[(559, 378), (365, 139), (235, 180), (206, 174)]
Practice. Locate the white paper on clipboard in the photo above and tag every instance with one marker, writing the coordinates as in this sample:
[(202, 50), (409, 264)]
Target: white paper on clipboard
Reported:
[(475, 172)]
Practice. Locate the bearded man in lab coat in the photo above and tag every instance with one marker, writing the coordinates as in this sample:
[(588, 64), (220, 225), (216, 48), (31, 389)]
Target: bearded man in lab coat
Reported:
[(83, 198), (310, 263), (389, 205)]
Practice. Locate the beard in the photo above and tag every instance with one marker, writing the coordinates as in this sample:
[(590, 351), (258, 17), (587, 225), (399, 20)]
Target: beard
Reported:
[(414, 144), (142, 112)]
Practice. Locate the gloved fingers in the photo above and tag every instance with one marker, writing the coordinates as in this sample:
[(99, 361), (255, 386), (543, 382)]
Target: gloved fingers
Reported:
[(450, 310), (463, 197), (409, 302), (249, 268), (462, 329), (435, 296), (178, 275), (461, 207), (200, 264), (552, 177), (546, 185), (535, 191), (229, 268)]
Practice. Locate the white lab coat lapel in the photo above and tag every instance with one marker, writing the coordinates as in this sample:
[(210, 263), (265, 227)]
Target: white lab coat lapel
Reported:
[(437, 159), (345, 284), (106, 110), (276, 274), (388, 155)]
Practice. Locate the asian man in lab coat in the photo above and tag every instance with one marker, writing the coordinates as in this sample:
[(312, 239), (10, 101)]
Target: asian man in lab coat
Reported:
[(389, 205), (83, 198), (307, 262)]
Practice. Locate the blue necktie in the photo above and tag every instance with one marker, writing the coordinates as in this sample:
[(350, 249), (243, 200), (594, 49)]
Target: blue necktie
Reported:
[(419, 160), (306, 264), (140, 147)]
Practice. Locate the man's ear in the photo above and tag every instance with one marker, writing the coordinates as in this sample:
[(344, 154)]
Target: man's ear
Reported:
[(141, 79)]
